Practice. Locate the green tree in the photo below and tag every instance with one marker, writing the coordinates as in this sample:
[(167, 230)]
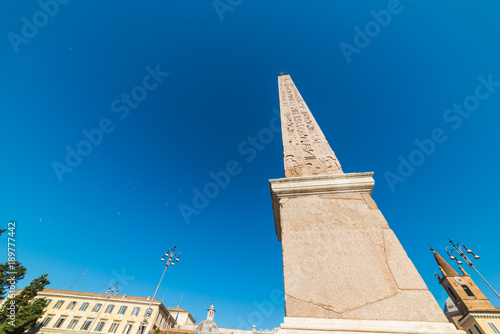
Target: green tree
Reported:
[(6, 278), (20, 312)]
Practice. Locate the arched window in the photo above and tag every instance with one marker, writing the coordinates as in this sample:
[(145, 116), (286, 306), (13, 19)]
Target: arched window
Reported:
[(452, 294), (467, 291)]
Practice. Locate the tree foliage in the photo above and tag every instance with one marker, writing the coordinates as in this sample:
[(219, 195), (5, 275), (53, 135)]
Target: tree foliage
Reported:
[(20, 312), (5, 274)]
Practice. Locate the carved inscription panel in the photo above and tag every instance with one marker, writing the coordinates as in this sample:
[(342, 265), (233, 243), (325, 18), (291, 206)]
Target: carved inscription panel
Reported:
[(305, 149)]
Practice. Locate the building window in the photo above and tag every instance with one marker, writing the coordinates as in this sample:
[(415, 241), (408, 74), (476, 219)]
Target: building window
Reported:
[(48, 302), (59, 304), (127, 329), (470, 331), (493, 327), (72, 324), (467, 291), (45, 321), (478, 329), (59, 322), (84, 306), (71, 305), (122, 310), (86, 325), (99, 326), (110, 308), (148, 313), (135, 311), (97, 307), (113, 328), (141, 329)]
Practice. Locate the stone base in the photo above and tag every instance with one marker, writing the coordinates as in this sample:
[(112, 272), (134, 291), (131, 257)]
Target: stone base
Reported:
[(340, 258), (344, 326)]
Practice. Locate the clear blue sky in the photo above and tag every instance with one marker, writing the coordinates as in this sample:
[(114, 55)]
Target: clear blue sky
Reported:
[(117, 211)]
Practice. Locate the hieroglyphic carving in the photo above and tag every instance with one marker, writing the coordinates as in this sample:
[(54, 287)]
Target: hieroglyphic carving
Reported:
[(305, 149)]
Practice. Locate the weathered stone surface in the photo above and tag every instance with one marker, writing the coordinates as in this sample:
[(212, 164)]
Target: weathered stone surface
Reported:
[(400, 265), (333, 252), (407, 305), (340, 258), (306, 307), (335, 184)]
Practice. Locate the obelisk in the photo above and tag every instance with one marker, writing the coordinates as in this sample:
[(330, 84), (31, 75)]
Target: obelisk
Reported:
[(344, 269)]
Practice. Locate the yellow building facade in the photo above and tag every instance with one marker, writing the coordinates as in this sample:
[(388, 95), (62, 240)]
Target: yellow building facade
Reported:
[(83, 312)]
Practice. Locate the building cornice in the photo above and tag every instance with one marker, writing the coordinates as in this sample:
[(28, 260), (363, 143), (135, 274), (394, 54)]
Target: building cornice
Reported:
[(493, 314), (333, 184), (107, 298), (323, 184)]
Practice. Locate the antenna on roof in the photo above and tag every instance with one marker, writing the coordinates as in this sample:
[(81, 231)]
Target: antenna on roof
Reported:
[(79, 276), (112, 289), (178, 307), (164, 295), (180, 302)]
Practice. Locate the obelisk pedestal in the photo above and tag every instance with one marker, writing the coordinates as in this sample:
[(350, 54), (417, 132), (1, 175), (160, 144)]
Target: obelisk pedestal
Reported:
[(344, 269)]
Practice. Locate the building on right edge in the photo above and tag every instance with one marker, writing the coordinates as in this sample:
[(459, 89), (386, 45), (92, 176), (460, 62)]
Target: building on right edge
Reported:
[(467, 308)]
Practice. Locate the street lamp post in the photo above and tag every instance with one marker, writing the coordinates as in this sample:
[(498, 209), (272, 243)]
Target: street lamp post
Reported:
[(459, 248), (172, 256), (114, 291)]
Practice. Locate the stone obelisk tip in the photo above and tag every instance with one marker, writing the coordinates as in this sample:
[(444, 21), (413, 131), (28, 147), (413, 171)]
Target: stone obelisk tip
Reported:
[(305, 149)]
